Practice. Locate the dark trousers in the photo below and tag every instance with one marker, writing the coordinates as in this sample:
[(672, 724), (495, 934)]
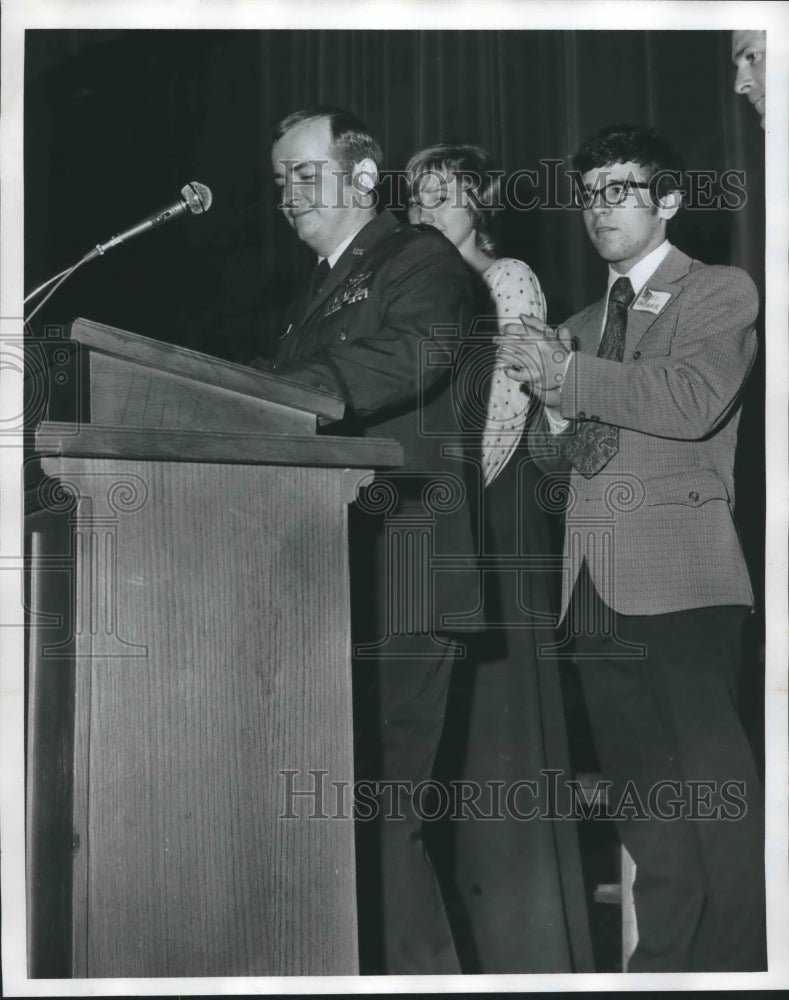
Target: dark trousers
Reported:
[(660, 691), (412, 704), (402, 672)]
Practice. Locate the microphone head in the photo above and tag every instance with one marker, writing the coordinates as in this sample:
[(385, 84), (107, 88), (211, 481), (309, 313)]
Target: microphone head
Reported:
[(197, 196)]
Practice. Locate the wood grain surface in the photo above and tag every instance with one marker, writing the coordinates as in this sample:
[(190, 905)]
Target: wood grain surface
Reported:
[(50, 739), (89, 440), (124, 393), (233, 583), (204, 368)]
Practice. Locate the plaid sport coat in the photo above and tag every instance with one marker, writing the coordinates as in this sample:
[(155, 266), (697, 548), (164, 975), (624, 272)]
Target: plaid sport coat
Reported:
[(655, 526)]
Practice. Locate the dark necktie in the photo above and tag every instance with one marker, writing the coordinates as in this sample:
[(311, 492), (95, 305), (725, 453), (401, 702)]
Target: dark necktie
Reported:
[(318, 277), (590, 445)]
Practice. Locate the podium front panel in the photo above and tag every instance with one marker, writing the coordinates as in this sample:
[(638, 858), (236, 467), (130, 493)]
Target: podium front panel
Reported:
[(211, 746)]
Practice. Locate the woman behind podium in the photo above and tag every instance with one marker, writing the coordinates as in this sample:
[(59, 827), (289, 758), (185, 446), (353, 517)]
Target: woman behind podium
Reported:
[(509, 871)]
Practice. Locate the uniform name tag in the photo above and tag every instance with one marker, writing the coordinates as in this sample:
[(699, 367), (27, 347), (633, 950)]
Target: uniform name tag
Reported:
[(651, 302)]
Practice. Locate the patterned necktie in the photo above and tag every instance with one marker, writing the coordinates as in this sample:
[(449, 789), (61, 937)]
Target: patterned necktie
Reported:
[(590, 445)]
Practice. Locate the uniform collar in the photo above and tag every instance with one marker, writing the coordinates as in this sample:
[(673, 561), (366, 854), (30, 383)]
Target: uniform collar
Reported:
[(335, 255), (350, 259), (363, 239)]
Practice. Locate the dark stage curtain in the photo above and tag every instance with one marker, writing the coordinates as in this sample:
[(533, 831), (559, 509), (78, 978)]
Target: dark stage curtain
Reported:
[(117, 121)]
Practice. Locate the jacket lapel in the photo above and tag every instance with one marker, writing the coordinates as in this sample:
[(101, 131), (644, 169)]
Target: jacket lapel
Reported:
[(586, 327), (352, 258), (674, 266)]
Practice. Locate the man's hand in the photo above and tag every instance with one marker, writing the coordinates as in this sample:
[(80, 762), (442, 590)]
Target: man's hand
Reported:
[(537, 354)]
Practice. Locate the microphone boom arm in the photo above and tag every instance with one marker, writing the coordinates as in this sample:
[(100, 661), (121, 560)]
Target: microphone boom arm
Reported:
[(195, 198)]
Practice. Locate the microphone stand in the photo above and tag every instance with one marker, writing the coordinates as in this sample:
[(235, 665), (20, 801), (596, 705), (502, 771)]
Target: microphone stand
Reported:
[(63, 275), (195, 198)]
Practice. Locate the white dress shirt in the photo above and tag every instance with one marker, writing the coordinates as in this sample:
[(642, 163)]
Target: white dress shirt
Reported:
[(338, 251), (639, 274)]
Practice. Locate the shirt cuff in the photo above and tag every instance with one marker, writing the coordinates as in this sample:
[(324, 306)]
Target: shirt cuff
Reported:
[(556, 422)]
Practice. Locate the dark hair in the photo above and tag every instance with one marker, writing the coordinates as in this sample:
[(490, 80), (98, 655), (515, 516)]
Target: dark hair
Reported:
[(634, 144), (476, 170), (351, 138)]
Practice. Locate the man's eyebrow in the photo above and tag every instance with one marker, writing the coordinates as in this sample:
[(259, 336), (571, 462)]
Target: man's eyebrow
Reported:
[(744, 48), (294, 164)]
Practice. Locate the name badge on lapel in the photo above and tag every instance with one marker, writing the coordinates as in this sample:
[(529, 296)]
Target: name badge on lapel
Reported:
[(651, 302)]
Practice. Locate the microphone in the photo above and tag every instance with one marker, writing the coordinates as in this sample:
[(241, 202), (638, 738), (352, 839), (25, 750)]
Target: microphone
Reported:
[(195, 198)]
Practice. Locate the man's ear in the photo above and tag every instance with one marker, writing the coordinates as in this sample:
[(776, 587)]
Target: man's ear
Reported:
[(364, 176), (669, 204)]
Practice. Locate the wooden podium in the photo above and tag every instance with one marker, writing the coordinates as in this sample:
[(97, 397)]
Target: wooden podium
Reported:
[(189, 778)]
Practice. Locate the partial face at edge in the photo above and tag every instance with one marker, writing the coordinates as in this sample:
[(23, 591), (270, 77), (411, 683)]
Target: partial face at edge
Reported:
[(749, 55)]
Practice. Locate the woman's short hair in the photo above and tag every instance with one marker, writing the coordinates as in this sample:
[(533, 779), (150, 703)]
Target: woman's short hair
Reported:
[(475, 170)]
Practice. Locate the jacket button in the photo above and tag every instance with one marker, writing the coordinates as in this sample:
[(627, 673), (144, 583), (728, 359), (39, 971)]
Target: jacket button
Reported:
[(636, 355), (343, 335), (693, 496)]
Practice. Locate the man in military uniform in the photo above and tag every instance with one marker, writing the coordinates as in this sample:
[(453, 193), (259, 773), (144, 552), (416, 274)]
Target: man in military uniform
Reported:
[(378, 327)]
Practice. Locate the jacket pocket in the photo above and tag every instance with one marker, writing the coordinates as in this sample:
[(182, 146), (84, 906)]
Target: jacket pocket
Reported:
[(656, 341), (691, 489)]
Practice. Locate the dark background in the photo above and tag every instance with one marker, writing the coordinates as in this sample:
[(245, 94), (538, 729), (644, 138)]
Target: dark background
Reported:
[(116, 122)]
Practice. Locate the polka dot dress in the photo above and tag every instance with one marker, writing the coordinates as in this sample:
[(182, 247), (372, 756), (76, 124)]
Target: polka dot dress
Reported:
[(515, 292)]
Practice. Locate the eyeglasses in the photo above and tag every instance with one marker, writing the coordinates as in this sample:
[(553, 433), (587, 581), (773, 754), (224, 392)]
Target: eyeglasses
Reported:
[(613, 193), (429, 200), (429, 196)]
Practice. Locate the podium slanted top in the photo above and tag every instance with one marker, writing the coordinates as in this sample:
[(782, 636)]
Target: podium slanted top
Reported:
[(138, 381)]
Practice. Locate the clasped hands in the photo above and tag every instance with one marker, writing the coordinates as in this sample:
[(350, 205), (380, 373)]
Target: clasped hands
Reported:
[(536, 354)]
